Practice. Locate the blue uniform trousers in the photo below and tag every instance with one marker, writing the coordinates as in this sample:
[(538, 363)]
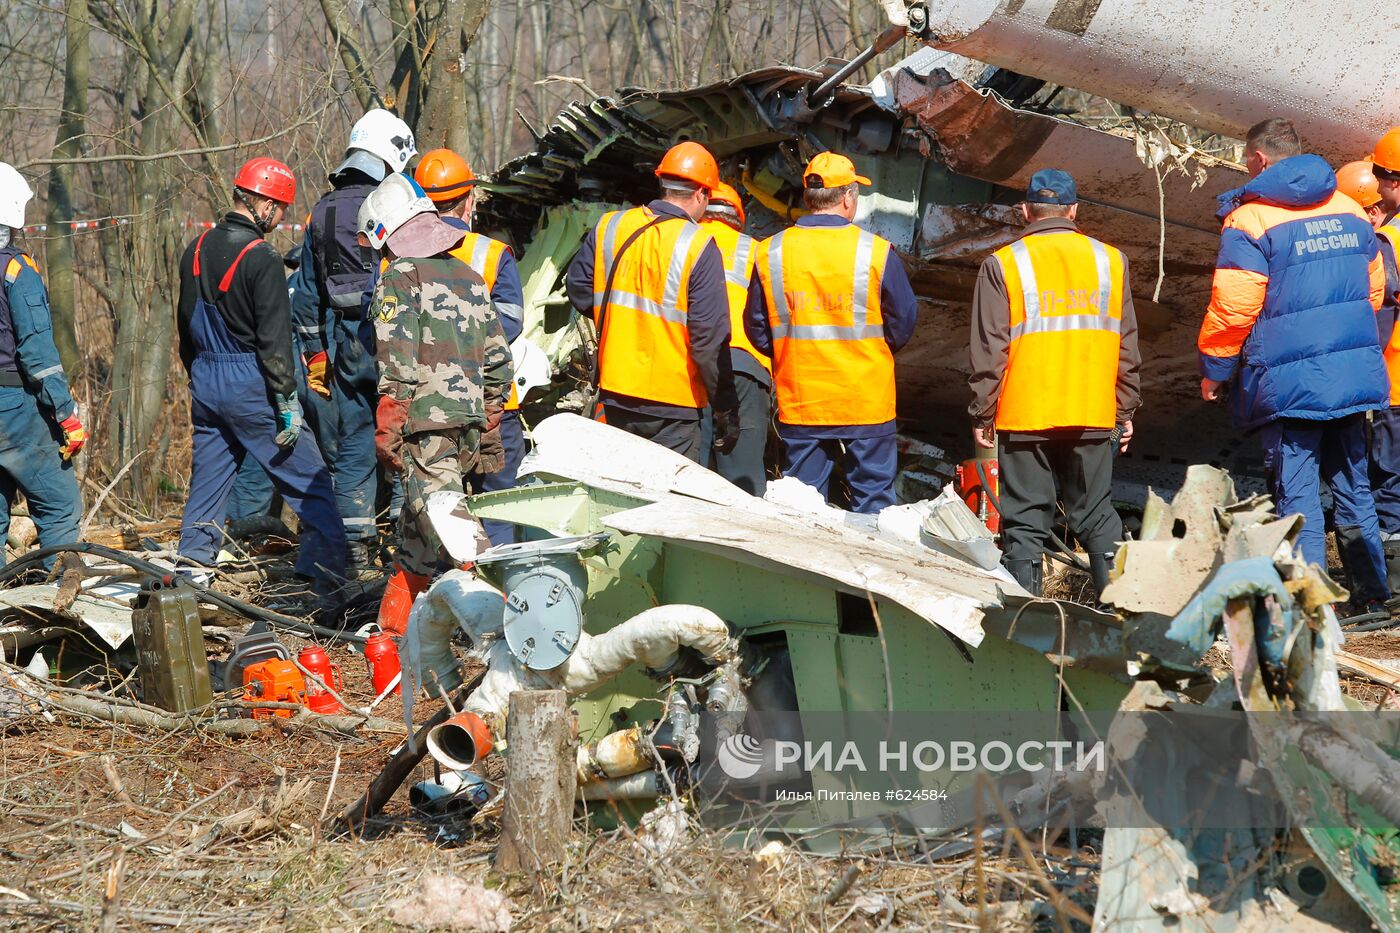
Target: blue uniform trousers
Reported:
[(870, 464), (1385, 468), (513, 440), (344, 428), (252, 494), (1298, 455), (30, 462)]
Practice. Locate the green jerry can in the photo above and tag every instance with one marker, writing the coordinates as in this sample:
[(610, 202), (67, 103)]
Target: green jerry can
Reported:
[(170, 646)]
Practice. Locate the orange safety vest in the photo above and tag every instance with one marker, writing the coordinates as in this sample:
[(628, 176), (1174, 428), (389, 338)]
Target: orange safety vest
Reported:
[(737, 251), (643, 340), (831, 364), (483, 254), (1391, 233), (1066, 296)]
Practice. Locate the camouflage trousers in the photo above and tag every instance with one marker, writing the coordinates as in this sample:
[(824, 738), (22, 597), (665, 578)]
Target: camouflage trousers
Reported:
[(434, 461)]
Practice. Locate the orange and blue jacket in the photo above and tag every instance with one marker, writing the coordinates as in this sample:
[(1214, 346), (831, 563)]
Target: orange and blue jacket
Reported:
[(1292, 310)]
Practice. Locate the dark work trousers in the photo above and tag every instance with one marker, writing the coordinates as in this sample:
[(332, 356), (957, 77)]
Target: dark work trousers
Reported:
[(870, 464), (1298, 455), (1385, 468), (1036, 473), (344, 428), (513, 440), (743, 466), (672, 433)]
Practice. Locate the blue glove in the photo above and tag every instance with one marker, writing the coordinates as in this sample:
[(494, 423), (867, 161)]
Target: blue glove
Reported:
[(288, 421)]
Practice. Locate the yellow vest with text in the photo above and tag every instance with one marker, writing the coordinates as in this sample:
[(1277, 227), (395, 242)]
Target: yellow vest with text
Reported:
[(483, 254), (737, 250), (831, 364), (1066, 295), (643, 340)]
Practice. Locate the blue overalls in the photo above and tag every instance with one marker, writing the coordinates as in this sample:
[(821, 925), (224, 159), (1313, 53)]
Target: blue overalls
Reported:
[(32, 382), (233, 417)]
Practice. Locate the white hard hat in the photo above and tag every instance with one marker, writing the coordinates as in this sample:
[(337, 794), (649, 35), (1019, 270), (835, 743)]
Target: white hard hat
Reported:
[(14, 195), (397, 200), (381, 133)]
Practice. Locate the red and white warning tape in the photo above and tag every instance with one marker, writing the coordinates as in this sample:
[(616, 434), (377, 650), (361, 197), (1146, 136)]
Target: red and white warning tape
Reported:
[(81, 225)]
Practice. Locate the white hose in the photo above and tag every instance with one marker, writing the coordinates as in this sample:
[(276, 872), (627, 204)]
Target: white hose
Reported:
[(457, 599), (652, 638)]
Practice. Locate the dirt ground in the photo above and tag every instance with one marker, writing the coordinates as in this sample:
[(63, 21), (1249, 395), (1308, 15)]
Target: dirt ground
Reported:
[(122, 828)]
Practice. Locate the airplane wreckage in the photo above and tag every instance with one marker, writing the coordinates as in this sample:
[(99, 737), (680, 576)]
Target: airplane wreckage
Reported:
[(832, 614), (701, 633)]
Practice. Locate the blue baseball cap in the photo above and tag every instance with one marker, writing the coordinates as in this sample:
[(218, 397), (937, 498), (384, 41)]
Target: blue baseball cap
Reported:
[(1051, 186)]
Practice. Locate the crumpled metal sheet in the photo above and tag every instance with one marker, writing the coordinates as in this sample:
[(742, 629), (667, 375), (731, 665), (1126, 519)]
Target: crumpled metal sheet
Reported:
[(28, 607)]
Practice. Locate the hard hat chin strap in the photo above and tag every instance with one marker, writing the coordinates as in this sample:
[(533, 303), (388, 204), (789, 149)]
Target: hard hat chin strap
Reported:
[(265, 223)]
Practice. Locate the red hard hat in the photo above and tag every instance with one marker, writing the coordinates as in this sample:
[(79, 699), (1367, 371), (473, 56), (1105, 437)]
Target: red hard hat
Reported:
[(690, 161), (267, 177), (444, 175)]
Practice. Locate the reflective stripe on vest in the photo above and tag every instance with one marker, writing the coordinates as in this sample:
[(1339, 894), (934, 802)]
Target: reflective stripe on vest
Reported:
[(483, 254), (644, 345), (737, 251), (831, 363), (1065, 292)]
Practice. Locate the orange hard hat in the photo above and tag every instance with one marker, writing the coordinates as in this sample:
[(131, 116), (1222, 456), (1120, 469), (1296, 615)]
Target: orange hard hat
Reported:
[(690, 161), (1387, 154), (1357, 181), (725, 194), (444, 175)]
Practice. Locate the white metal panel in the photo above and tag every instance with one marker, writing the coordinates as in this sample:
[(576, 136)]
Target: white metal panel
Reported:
[(1333, 67)]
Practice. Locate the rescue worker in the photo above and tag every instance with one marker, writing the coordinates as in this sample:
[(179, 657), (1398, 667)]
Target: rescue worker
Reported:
[(40, 432), (1357, 180), (236, 345), (1054, 363), (1291, 326), (753, 373), (451, 185), (1386, 166), (653, 279), (327, 288), (831, 305), (444, 373)]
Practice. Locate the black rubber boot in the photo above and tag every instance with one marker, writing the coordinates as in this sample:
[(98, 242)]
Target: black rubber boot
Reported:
[(1099, 567), (1027, 573), (1356, 565), (1392, 568)]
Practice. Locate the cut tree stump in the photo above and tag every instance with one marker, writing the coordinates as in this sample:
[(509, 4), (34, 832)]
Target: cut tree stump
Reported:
[(540, 782)]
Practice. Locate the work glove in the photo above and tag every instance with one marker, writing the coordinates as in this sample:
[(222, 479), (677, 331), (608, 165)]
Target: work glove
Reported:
[(288, 421), (490, 453), (389, 419), (74, 436), (316, 374), (726, 430)]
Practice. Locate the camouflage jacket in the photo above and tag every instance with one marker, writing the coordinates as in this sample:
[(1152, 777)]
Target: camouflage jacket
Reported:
[(440, 345)]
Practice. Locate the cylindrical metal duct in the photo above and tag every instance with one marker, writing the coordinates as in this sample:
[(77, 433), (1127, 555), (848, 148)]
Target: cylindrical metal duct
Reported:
[(1331, 67)]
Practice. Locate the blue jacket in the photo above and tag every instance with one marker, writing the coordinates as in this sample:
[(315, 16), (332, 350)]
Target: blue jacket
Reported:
[(1292, 311)]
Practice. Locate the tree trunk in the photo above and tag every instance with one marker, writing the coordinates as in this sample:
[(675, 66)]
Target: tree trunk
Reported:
[(443, 120), (361, 81), (60, 256), (540, 782)]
